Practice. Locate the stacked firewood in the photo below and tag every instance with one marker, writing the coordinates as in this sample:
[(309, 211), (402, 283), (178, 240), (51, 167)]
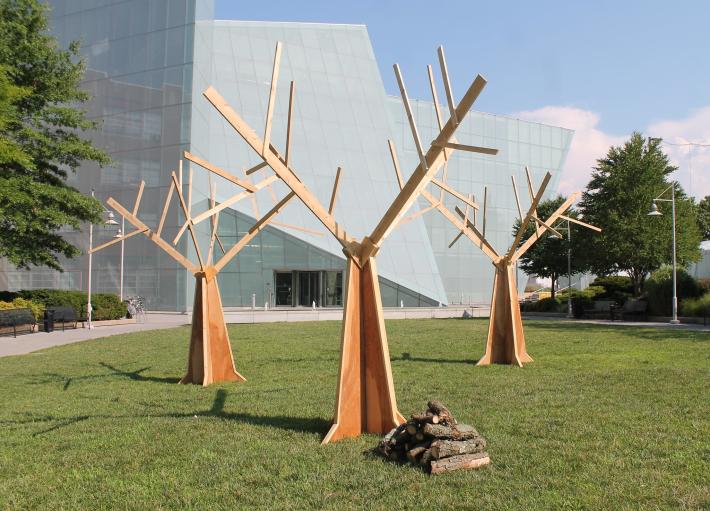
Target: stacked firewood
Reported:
[(435, 441)]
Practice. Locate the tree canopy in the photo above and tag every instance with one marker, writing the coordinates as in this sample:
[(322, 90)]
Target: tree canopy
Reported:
[(547, 258), (618, 199), (704, 217), (40, 139)]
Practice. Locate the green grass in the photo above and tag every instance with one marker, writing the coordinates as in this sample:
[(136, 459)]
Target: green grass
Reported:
[(606, 418)]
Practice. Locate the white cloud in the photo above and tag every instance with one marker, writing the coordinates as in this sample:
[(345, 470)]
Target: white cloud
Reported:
[(591, 143)]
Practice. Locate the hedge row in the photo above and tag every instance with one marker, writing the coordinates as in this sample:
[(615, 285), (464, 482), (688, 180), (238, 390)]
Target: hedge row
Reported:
[(104, 305)]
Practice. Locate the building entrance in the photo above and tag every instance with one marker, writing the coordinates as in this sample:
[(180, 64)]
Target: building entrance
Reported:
[(298, 288)]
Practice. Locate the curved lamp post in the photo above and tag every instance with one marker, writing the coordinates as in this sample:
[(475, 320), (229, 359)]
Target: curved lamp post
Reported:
[(655, 212)]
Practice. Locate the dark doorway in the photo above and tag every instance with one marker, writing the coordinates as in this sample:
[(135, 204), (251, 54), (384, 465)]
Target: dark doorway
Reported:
[(284, 288), (308, 288)]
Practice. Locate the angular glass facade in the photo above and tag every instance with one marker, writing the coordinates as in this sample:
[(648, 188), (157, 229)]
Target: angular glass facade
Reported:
[(147, 65)]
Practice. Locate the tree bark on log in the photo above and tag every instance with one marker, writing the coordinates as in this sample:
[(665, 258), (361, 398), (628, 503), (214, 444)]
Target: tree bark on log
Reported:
[(465, 461), (461, 432), (426, 418), (446, 448), (438, 409)]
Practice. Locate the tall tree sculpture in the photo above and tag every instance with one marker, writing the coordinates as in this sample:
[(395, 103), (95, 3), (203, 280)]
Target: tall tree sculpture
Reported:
[(365, 400), (210, 358)]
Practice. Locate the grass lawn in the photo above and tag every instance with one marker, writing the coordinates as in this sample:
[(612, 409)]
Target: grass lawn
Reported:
[(605, 418)]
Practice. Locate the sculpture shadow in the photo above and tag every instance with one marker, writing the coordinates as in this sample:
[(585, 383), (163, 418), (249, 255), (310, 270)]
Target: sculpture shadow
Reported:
[(407, 357), (132, 375)]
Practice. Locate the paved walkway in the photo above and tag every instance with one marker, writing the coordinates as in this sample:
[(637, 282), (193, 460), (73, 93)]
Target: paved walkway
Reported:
[(28, 343), (638, 324)]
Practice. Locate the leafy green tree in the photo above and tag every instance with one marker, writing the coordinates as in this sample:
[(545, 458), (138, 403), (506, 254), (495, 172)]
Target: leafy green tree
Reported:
[(40, 139), (618, 199), (547, 258), (704, 217)]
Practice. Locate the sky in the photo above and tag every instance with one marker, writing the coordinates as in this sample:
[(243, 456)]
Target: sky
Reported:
[(603, 68)]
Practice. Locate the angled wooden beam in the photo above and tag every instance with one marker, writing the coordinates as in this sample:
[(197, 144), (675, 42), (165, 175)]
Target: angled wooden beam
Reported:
[(116, 240), (447, 86), (191, 228), (255, 206), (456, 238), (550, 220), (291, 98), (274, 223), (485, 208), (272, 98), (188, 213), (184, 261), (233, 200), (417, 214), (255, 168), (470, 148), (481, 242), (517, 199), (221, 172), (466, 200), (253, 231), (180, 173), (422, 175), (410, 117), (334, 195), (214, 221), (166, 206), (528, 216), (279, 166), (139, 197), (435, 98), (579, 222), (395, 162)]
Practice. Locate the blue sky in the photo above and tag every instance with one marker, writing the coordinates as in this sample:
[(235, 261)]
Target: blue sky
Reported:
[(603, 68)]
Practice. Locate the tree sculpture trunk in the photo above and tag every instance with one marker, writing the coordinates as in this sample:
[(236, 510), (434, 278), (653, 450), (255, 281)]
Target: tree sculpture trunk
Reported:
[(210, 359), (365, 400), (506, 340)]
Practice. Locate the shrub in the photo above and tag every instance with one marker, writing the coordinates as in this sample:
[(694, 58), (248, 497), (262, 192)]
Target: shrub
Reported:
[(21, 303), (704, 284), (107, 306), (659, 289), (580, 304), (616, 287), (104, 305), (699, 307)]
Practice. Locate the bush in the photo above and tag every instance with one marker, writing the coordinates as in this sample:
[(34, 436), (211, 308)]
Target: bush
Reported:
[(580, 304), (543, 305), (21, 303), (698, 307), (107, 306), (616, 287), (659, 290), (104, 305)]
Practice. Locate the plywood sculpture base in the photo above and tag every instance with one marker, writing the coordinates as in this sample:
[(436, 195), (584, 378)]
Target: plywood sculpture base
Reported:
[(210, 359), (365, 400), (506, 338)]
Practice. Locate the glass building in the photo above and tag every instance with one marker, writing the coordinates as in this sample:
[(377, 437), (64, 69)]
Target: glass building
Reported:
[(147, 65)]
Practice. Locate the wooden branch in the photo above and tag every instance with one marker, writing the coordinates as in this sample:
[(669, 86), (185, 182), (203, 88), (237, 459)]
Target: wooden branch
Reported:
[(297, 228), (255, 168), (334, 195), (215, 222), (517, 199), (470, 148), (291, 98), (453, 242), (447, 86), (116, 240), (435, 98), (579, 222), (485, 208), (221, 172), (410, 117), (255, 229), (279, 166), (528, 216), (417, 214), (152, 236), (272, 98), (467, 200), (186, 211), (395, 162), (180, 173), (139, 197), (483, 244), (166, 206), (255, 206), (529, 180), (233, 200), (422, 175)]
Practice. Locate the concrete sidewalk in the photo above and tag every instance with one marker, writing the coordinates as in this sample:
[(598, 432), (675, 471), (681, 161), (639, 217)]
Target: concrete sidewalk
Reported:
[(638, 324), (28, 343)]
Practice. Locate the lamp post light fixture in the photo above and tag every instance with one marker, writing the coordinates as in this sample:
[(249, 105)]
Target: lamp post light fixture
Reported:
[(110, 220), (656, 212)]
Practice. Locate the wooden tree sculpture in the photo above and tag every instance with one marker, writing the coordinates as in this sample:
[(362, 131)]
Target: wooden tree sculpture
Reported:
[(210, 358), (365, 400)]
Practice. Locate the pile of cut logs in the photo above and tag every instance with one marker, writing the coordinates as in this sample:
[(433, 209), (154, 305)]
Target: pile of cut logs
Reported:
[(436, 442)]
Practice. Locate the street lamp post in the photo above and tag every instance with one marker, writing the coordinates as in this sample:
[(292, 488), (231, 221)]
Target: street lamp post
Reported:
[(655, 212), (109, 221), (569, 265), (118, 235)]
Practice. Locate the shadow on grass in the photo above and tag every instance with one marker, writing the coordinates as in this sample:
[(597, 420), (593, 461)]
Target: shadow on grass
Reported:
[(407, 357), (651, 333), (297, 424), (132, 375)]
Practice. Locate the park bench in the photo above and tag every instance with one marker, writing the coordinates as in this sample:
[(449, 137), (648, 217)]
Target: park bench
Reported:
[(632, 309), (66, 316), (601, 309), (17, 320)]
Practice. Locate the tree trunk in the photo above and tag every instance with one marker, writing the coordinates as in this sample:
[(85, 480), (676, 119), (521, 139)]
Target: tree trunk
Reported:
[(554, 281)]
